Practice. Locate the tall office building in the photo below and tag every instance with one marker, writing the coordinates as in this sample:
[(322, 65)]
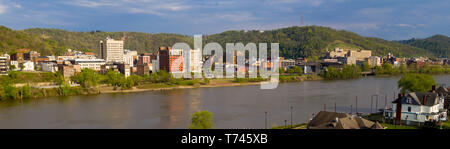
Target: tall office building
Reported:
[(111, 50)]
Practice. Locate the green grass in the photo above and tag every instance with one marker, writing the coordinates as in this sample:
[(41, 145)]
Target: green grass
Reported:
[(295, 126), (391, 126), (154, 85), (29, 77)]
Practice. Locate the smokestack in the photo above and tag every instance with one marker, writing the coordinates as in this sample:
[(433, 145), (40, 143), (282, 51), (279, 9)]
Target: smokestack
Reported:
[(398, 113)]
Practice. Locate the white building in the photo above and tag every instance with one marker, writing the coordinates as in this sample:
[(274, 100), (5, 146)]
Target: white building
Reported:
[(49, 67), (374, 61), (3, 65), (196, 61), (418, 107), (28, 66), (94, 64), (128, 57), (112, 50)]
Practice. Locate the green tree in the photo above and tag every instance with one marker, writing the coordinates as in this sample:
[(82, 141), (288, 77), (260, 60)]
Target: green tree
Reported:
[(387, 68), (365, 66), (416, 83), (114, 78), (88, 78), (12, 67), (202, 120)]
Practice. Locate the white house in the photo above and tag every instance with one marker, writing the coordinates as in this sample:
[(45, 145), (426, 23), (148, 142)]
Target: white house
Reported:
[(418, 107), (28, 66)]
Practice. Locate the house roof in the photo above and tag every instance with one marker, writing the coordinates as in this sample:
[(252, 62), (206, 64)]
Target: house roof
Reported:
[(416, 98), (333, 120)]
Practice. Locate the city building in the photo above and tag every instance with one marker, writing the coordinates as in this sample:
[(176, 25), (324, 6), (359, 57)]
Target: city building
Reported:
[(32, 56), (94, 64), (143, 69), (124, 69), (171, 60), (417, 107), (287, 63), (49, 66), (144, 59), (374, 61), (337, 53), (360, 55), (19, 55), (129, 57), (111, 50), (28, 66), (196, 62), (67, 69), (3, 65)]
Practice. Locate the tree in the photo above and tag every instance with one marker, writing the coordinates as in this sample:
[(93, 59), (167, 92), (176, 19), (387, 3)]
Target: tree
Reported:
[(88, 78), (12, 67), (387, 68), (114, 78), (202, 120), (365, 66), (416, 83)]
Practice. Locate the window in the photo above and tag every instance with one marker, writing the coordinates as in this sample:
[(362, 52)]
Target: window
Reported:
[(409, 109)]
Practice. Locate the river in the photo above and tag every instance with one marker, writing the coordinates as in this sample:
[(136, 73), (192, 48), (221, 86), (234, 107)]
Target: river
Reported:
[(232, 107)]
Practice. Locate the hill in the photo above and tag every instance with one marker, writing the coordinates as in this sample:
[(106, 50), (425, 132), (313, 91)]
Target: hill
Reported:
[(315, 41), (89, 41), (308, 41), (438, 44), (11, 40)]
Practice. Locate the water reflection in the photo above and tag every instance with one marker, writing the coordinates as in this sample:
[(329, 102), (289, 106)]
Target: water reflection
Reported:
[(232, 107)]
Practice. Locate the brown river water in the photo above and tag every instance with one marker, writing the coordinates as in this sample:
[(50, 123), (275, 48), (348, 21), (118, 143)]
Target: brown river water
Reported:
[(232, 107)]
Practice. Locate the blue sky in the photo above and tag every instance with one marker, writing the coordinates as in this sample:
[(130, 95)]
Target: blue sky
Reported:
[(388, 19)]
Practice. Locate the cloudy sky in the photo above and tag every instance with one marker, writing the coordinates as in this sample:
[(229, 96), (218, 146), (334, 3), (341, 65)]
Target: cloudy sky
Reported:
[(388, 19)]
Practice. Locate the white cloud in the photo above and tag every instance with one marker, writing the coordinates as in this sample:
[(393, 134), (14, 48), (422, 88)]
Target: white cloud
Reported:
[(406, 25), (133, 6), (2, 8)]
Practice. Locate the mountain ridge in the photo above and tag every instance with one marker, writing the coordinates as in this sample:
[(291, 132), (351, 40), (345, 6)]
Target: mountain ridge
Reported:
[(306, 41)]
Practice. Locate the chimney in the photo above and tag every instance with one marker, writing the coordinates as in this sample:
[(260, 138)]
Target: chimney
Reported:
[(398, 112), (424, 99)]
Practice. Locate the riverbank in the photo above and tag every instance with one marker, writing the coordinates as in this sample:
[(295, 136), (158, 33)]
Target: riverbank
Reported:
[(211, 84)]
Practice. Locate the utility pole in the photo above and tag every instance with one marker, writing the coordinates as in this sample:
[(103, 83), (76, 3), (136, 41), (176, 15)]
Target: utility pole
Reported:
[(356, 105), (265, 119), (291, 115)]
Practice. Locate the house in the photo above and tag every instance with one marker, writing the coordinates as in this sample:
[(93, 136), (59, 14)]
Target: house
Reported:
[(28, 66), (417, 107), (444, 92), (333, 120)]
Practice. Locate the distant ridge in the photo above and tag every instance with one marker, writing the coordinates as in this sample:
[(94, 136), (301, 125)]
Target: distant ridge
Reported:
[(306, 41)]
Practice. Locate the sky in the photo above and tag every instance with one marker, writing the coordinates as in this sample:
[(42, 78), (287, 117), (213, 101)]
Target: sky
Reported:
[(387, 19)]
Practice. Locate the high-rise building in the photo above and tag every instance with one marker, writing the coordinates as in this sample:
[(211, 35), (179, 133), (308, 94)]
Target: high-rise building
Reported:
[(196, 61), (171, 60), (112, 50)]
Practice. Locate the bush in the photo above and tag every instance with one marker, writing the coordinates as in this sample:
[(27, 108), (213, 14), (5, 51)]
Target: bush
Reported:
[(202, 120)]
